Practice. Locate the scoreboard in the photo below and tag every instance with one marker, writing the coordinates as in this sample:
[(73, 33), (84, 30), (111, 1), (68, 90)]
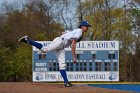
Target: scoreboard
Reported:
[(96, 61)]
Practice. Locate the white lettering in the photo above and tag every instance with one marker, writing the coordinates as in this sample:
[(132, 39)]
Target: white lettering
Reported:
[(107, 60), (41, 64), (98, 60), (40, 69), (115, 60), (90, 45)]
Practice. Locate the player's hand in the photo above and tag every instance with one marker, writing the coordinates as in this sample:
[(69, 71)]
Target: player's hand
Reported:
[(43, 50), (74, 60)]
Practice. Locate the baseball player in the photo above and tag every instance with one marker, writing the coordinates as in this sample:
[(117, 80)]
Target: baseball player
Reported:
[(59, 43)]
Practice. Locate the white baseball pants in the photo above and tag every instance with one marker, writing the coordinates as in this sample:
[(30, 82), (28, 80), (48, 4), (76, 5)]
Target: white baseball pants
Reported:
[(57, 45)]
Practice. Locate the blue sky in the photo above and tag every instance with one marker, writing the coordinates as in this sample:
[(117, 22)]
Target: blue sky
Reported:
[(9, 1), (1, 1)]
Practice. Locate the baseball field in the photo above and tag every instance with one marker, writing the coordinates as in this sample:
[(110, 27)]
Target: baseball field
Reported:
[(30, 87)]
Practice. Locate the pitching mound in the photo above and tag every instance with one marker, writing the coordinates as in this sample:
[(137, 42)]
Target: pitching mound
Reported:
[(29, 87)]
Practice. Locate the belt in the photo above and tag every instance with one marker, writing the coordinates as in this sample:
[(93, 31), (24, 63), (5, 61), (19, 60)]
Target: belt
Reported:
[(63, 43), (62, 38)]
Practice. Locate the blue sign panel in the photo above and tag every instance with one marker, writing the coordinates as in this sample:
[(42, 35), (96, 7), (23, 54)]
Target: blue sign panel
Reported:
[(96, 61)]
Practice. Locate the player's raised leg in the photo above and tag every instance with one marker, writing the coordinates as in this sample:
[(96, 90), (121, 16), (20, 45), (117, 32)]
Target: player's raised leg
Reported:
[(26, 39)]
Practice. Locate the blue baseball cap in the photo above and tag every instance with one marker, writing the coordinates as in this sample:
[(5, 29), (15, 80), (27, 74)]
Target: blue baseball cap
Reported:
[(85, 23)]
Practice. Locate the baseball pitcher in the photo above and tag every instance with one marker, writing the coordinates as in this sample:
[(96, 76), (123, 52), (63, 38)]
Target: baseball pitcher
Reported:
[(59, 43)]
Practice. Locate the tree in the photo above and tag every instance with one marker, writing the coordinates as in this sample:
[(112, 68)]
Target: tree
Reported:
[(30, 20), (137, 1), (40, 18), (135, 14), (112, 22)]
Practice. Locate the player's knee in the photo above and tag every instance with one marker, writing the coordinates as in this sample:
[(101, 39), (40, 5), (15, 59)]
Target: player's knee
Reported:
[(62, 66), (43, 50), (56, 39)]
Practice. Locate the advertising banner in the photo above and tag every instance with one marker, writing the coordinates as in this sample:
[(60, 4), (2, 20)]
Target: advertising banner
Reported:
[(76, 76)]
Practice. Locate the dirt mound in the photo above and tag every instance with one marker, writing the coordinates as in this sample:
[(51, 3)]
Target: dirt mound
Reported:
[(29, 87)]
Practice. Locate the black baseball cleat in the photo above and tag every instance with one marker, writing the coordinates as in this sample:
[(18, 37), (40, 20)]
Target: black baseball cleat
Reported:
[(67, 84), (23, 39)]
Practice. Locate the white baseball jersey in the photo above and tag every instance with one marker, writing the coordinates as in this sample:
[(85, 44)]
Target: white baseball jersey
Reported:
[(59, 43), (69, 35), (65, 40)]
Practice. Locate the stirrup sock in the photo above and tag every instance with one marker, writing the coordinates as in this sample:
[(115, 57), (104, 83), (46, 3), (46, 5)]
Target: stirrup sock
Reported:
[(64, 75), (36, 44)]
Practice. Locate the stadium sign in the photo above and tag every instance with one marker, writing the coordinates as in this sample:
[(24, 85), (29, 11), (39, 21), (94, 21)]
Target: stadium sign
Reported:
[(96, 61)]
